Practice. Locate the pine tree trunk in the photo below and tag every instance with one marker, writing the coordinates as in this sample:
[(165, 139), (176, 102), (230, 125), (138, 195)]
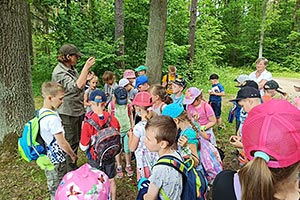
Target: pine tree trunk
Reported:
[(156, 39), (16, 97), (192, 29), (119, 30), (295, 17)]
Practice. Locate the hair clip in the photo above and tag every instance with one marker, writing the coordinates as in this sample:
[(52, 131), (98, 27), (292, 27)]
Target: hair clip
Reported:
[(263, 155)]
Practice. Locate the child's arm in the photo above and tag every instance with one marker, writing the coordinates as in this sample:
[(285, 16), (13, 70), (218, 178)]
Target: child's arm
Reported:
[(62, 142), (195, 157), (133, 141), (85, 100), (212, 121), (152, 193)]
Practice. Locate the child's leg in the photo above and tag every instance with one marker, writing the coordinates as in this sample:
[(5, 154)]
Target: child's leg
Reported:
[(110, 170), (54, 177), (119, 160), (127, 156), (113, 189)]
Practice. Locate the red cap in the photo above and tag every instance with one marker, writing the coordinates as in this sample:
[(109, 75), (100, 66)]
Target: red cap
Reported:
[(142, 99), (273, 128)]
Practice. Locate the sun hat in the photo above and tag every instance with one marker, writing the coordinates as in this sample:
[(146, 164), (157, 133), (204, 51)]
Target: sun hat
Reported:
[(141, 80), (191, 94), (121, 95), (69, 49), (274, 129), (247, 92), (129, 74), (97, 96), (248, 83), (142, 99), (140, 68), (181, 82), (242, 78), (173, 110), (123, 82)]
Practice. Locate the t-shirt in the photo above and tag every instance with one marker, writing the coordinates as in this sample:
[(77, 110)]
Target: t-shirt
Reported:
[(178, 100), (109, 91), (170, 80), (49, 126), (265, 75), (217, 88), (191, 134), (168, 179), (88, 132), (223, 186), (266, 98), (243, 116), (205, 111), (158, 109)]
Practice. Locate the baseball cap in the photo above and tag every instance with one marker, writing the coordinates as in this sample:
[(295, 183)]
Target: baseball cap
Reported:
[(191, 94), (297, 88), (69, 49), (123, 82), (247, 92), (271, 85), (140, 68), (241, 78), (121, 95), (273, 128), (129, 74), (181, 82), (213, 76), (142, 99), (249, 83), (97, 96), (141, 80), (173, 110)]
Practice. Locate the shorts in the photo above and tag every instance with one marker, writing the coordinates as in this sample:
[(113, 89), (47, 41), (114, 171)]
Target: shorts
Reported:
[(216, 106), (109, 168), (124, 142)]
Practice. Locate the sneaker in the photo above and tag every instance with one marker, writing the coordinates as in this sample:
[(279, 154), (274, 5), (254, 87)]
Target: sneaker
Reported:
[(119, 172), (129, 170)]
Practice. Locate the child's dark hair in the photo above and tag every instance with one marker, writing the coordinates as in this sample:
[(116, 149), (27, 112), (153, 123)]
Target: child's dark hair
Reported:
[(164, 127), (213, 76), (108, 75), (160, 91)]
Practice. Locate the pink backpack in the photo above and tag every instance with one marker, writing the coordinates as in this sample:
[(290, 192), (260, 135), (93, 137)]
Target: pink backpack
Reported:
[(84, 183)]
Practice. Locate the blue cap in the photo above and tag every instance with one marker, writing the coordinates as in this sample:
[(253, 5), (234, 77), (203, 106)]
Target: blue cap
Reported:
[(141, 80), (97, 96), (121, 95), (173, 110)]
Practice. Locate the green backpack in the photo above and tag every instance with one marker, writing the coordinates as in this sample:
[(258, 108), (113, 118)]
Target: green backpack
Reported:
[(30, 144)]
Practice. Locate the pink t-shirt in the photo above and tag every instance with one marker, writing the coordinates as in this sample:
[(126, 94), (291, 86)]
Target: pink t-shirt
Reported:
[(205, 111)]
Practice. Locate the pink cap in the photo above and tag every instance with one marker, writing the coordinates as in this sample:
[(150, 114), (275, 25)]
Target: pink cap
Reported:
[(142, 99), (273, 128), (129, 74), (191, 94)]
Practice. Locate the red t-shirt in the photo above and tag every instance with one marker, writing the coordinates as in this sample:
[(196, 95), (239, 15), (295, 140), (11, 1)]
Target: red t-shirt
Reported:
[(88, 130)]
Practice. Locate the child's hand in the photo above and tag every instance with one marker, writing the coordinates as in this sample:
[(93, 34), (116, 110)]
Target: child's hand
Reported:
[(183, 141), (236, 141), (74, 158), (196, 117), (130, 132)]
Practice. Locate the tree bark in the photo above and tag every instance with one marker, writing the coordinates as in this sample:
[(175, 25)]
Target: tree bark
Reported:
[(16, 98), (156, 39), (262, 32), (192, 30), (295, 17), (119, 32)]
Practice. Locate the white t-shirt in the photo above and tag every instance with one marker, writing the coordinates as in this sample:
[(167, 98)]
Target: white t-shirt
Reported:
[(265, 75), (168, 179)]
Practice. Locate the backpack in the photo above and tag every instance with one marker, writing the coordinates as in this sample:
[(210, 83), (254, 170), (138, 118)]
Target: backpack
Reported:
[(107, 141), (194, 182), (30, 144)]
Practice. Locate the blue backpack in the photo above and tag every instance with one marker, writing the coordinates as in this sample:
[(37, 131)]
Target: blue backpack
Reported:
[(194, 182)]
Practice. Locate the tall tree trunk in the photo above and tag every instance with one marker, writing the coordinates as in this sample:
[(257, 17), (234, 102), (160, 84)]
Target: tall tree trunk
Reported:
[(262, 32), (156, 39), (119, 31), (295, 17), (16, 97), (192, 29)]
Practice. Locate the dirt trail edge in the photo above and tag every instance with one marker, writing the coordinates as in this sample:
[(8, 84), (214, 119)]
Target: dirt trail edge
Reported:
[(287, 85)]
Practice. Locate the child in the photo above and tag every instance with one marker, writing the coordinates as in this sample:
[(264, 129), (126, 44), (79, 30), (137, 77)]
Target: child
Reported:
[(177, 88), (89, 77), (141, 70), (119, 108), (215, 98), (200, 111), (161, 134), (124, 82), (144, 159), (270, 90), (98, 102), (130, 75), (159, 97), (52, 132), (92, 86), (110, 84), (141, 83), (168, 79)]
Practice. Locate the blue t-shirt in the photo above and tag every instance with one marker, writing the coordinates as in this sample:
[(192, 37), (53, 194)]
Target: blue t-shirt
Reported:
[(218, 88), (191, 134), (177, 100)]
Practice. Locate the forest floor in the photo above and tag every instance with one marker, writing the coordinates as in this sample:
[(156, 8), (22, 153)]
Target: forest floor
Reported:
[(22, 180)]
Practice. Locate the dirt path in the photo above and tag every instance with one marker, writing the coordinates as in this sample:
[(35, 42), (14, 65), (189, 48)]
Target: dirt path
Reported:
[(287, 85)]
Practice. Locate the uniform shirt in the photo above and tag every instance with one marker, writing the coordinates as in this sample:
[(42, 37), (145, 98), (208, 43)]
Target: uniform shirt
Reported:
[(73, 99)]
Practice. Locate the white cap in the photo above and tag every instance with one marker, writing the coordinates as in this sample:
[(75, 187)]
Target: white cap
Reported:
[(123, 82), (241, 78)]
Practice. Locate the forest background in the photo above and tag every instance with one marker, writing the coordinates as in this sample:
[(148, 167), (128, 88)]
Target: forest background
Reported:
[(197, 36)]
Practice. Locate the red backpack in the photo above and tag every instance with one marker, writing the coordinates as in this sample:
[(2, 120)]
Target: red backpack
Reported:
[(107, 141)]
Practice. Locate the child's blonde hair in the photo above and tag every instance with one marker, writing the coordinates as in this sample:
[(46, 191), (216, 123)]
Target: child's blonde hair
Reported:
[(160, 91), (164, 127), (150, 113), (108, 75), (51, 88), (184, 116), (94, 77)]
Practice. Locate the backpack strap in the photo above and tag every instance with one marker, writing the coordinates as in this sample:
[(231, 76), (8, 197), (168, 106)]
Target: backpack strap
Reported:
[(44, 114), (112, 106), (174, 162), (96, 125), (167, 80)]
